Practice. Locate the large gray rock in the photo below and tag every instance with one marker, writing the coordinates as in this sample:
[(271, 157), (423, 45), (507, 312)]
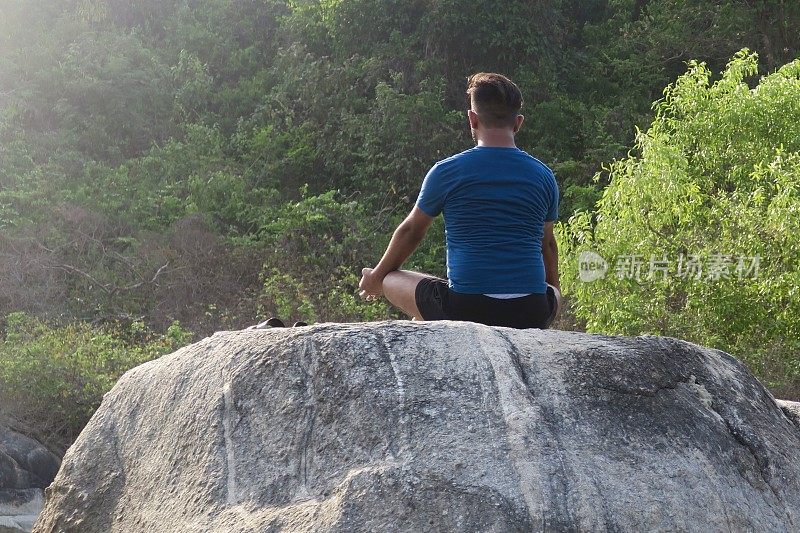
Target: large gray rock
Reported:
[(26, 468), (432, 426), (24, 462), (791, 410)]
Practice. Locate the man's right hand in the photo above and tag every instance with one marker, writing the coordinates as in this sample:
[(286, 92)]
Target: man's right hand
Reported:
[(371, 285)]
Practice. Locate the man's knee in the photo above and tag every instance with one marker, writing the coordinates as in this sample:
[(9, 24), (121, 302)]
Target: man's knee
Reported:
[(397, 287), (400, 289), (392, 281), (388, 281)]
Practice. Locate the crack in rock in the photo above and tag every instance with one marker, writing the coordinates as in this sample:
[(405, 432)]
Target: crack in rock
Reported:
[(227, 429), (309, 416)]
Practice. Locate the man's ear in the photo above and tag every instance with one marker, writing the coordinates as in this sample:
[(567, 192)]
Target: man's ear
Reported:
[(473, 119), (518, 123)]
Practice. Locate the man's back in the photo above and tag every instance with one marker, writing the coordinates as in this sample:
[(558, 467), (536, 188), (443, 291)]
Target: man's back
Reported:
[(495, 203)]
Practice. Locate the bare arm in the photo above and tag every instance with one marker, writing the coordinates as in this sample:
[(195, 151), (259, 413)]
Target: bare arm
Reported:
[(405, 240), (550, 256)]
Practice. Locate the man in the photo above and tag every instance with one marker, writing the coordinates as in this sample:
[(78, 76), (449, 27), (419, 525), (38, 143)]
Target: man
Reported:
[(499, 205)]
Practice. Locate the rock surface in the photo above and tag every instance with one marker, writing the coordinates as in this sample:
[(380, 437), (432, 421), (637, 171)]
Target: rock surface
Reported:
[(26, 468), (791, 410), (404, 426)]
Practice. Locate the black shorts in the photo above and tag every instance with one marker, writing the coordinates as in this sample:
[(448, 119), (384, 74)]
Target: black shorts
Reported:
[(436, 301)]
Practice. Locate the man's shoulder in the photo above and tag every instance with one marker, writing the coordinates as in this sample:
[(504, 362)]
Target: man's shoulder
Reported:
[(455, 158), (478, 152), (536, 162), (448, 167), (476, 155)]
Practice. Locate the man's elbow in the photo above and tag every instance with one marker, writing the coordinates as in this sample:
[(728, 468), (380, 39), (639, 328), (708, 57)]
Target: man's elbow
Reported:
[(415, 226), (407, 230)]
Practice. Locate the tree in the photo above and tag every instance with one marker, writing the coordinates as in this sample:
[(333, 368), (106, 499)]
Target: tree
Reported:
[(699, 224)]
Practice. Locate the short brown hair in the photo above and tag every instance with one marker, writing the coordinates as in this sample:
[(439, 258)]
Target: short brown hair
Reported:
[(495, 98)]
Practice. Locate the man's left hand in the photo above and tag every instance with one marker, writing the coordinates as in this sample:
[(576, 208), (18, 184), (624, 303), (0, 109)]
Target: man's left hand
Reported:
[(371, 285)]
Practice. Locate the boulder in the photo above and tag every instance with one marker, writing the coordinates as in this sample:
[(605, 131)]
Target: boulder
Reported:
[(791, 410), (439, 426), (26, 468)]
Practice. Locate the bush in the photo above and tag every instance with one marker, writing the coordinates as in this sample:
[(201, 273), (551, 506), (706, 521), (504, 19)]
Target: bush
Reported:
[(715, 183), (332, 239), (54, 378)]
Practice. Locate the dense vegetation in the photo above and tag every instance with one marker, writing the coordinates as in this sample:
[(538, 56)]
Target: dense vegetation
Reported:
[(700, 229), (208, 163), (54, 377)]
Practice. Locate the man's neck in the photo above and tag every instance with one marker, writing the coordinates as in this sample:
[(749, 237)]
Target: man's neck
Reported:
[(496, 138)]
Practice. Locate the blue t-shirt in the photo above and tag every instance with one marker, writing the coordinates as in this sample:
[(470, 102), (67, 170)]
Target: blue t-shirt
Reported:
[(495, 203)]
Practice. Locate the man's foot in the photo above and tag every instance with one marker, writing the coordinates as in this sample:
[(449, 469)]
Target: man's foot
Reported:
[(271, 323)]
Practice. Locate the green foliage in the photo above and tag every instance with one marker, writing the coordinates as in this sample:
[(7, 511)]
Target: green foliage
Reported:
[(316, 248), (53, 378), (716, 176)]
